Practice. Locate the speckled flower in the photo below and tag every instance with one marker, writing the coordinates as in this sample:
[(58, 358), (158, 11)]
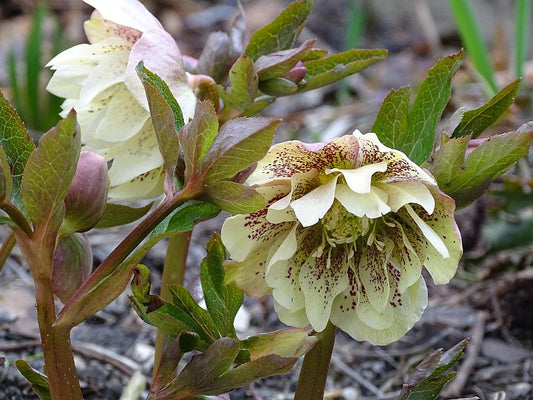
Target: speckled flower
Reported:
[(347, 228), (99, 81)]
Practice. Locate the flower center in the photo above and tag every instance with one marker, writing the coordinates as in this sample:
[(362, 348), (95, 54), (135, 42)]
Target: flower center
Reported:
[(340, 227)]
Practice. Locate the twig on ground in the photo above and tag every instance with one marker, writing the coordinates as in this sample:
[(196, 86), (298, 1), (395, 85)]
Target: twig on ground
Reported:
[(91, 350)]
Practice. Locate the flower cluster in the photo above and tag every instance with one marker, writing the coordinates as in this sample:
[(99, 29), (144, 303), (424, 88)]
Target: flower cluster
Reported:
[(347, 228), (99, 81)]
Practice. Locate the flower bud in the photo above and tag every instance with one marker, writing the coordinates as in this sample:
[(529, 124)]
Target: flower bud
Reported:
[(297, 73), (73, 260), (86, 197), (278, 86)]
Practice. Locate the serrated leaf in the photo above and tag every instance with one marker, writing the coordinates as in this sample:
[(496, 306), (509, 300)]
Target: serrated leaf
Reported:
[(292, 342), (167, 117), (474, 122), (234, 197), (450, 357), (466, 182), (222, 301), (242, 89), (214, 60), (39, 382), (49, 171), (280, 62), (430, 389), (6, 180), (281, 33), (391, 122), (183, 218), (323, 71), (197, 136), (239, 143), (17, 144), (430, 102), (119, 214)]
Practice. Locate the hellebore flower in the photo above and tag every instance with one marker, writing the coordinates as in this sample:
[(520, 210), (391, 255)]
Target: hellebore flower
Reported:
[(99, 81), (347, 228)]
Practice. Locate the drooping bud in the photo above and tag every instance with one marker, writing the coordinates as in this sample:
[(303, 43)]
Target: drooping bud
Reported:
[(86, 197), (297, 73), (73, 260)]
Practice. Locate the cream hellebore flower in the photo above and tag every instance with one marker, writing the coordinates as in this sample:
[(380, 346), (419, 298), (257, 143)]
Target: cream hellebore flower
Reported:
[(99, 81), (347, 228)]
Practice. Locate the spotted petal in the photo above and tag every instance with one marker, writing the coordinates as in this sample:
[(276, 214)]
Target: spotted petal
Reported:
[(129, 13), (372, 204)]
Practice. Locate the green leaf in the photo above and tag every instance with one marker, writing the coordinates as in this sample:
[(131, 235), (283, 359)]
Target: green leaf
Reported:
[(183, 218), (214, 60), (234, 197), (240, 142), (430, 389), (259, 105), (17, 144), (292, 342), (7, 221), (49, 171), (281, 33), (428, 107), (280, 62), (6, 180), (323, 71), (39, 382), (119, 214), (33, 63), (242, 89), (391, 122), (167, 117), (474, 122), (197, 136), (278, 87), (222, 301), (467, 181)]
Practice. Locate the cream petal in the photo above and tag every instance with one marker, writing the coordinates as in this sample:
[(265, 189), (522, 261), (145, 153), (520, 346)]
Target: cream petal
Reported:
[(124, 118), (148, 186), (405, 192), (286, 249), (243, 234), (76, 55), (90, 115), (248, 275), (406, 311), (374, 276), (98, 29), (372, 204), (322, 279), (126, 12), (314, 205), (109, 72), (432, 236), (297, 319), (360, 179)]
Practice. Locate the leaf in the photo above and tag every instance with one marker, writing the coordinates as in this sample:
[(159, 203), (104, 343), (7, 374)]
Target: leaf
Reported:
[(430, 102), (474, 122), (17, 144), (323, 71), (39, 382), (119, 214), (430, 389), (280, 62), (281, 33), (466, 182), (183, 218), (239, 143), (49, 171), (278, 87), (197, 136), (222, 301), (215, 58), (242, 89), (234, 197), (167, 117), (391, 123), (292, 342), (6, 180)]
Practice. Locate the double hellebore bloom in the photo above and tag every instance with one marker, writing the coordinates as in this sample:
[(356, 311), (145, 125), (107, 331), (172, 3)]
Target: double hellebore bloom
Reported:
[(99, 81), (347, 228)]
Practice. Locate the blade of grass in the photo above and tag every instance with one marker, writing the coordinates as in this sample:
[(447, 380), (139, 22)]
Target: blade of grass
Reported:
[(473, 42), (522, 16), (14, 81)]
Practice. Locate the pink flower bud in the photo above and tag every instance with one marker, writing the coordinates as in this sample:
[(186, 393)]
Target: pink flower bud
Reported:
[(73, 260), (86, 197), (297, 73)]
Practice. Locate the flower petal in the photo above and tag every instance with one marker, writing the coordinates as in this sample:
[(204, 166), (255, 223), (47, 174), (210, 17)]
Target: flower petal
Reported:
[(147, 186), (98, 29), (374, 276), (297, 318), (322, 279), (360, 179), (404, 192), (248, 275), (432, 236), (314, 205), (372, 204)]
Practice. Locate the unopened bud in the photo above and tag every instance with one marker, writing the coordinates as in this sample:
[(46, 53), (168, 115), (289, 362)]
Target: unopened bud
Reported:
[(73, 261), (474, 144), (86, 197), (278, 86), (297, 73)]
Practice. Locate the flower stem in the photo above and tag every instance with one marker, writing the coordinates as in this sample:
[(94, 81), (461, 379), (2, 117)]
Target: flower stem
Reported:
[(6, 248), (173, 274), (314, 372)]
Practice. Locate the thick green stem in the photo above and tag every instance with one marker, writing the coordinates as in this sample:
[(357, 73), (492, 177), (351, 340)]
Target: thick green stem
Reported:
[(173, 274), (315, 367), (6, 248)]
